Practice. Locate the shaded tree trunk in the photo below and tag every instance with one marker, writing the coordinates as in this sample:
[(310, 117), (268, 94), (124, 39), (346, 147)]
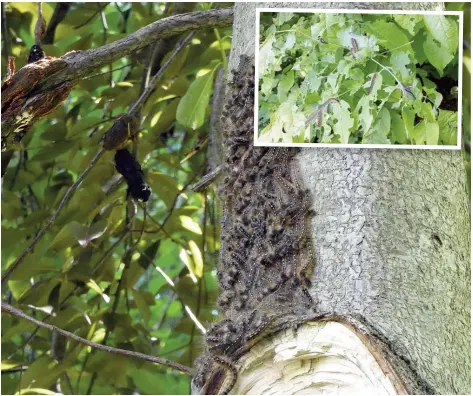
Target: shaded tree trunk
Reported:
[(391, 234)]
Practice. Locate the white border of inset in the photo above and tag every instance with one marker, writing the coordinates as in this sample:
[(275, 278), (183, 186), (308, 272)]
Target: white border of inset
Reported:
[(357, 11)]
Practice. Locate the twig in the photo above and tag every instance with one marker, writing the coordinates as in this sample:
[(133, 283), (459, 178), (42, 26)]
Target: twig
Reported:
[(6, 39), (171, 209), (187, 309), (201, 278), (61, 206), (127, 261), (404, 88), (91, 17), (124, 352), (159, 74), (103, 19), (108, 71), (206, 179)]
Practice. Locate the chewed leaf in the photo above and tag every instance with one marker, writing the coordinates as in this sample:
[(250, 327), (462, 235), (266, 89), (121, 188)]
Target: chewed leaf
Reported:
[(426, 132), (341, 111), (437, 54), (448, 126), (444, 30)]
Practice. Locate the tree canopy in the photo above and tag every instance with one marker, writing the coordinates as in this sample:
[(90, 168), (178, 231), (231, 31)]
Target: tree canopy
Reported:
[(118, 272)]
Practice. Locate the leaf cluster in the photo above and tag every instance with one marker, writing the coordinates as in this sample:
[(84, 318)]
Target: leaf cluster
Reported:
[(358, 78), (107, 270)]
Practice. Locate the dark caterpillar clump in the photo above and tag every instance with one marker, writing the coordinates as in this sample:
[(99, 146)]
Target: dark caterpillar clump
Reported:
[(129, 167), (36, 53), (265, 260), (125, 127)]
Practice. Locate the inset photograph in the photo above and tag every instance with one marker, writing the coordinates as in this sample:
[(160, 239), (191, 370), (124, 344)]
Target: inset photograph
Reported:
[(335, 77)]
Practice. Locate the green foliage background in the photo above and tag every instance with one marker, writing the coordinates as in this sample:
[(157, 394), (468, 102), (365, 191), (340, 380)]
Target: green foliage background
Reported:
[(358, 78), (135, 290)]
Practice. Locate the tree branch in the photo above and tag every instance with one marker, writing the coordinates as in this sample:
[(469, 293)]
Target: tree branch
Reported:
[(6, 40), (207, 179), (81, 64), (137, 355), (59, 14), (61, 206)]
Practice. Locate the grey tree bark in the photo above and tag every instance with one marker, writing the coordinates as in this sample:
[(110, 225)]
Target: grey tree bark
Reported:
[(391, 233)]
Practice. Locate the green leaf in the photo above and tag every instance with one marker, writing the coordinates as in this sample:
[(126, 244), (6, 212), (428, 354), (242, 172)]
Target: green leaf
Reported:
[(444, 30), (9, 364), (164, 186), (142, 305), (374, 85), (391, 37), (409, 22), (436, 54), (365, 117), (448, 127), (399, 60), (382, 126), (341, 111), (285, 85), (190, 224), (192, 107), (408, 116), (426, 132), (91, 284), (282, 18), (35, 391), (197, 258), (398, 131)]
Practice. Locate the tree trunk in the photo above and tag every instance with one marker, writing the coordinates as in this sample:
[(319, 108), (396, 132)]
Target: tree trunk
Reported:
[(391, 235)]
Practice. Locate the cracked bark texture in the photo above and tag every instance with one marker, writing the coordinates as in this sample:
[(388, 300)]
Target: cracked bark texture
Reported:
[(391, 235)]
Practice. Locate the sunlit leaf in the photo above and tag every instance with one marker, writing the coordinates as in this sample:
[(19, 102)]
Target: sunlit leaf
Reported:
[(192, 107)]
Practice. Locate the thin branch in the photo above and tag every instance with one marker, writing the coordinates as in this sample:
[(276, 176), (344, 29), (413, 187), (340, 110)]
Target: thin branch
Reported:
[(124, 352), (159, 74), (171, 283), (81, 64), (127, 260), (91, 17), (6, 38), (206, 179), (40, 28), (58, 16), (53, 218), (201, 278), (108, 71)]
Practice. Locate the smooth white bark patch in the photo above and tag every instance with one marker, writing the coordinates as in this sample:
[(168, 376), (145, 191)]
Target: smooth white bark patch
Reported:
[(318, 358)]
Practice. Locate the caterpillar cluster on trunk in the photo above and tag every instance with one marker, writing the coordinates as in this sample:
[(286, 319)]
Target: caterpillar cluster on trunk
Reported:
[(266, 259)]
